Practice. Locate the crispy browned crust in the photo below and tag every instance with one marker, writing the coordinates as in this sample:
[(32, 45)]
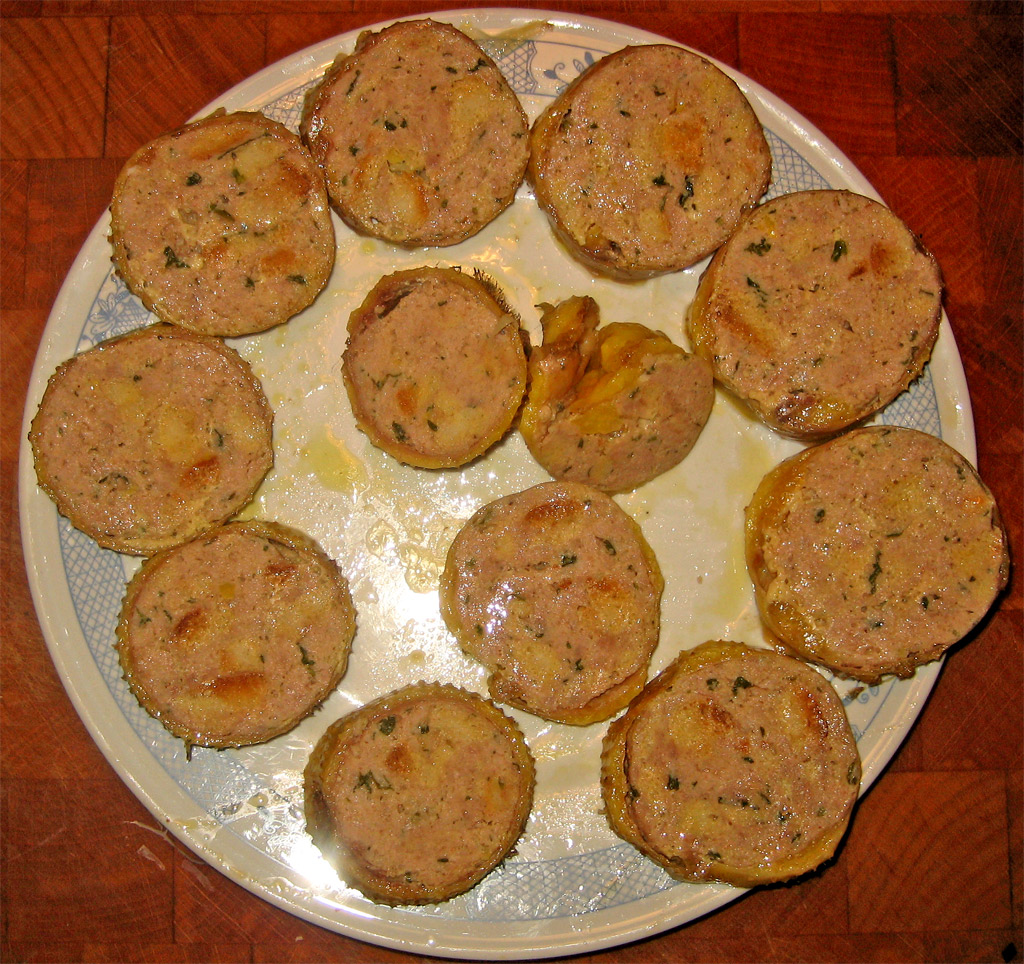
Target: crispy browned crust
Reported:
[(189, 502), (816, 365), (247, 698), (612, 407), (223, 226), (327, 826), (923, 562), (368, 119), (435, 408), (651, 173), (708, 858)]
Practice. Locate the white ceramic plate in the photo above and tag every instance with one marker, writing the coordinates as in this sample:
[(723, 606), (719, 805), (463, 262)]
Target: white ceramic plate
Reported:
[(572, 886)]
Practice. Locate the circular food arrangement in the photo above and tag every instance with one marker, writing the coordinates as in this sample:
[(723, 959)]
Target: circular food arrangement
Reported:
[(573, 580)]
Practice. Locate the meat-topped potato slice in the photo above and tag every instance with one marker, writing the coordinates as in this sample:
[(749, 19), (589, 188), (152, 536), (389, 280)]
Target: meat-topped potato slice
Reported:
[(875, 552), (233, 638), (556, 591), (434, 366), (150, 438), (819, 310), (421, 138)]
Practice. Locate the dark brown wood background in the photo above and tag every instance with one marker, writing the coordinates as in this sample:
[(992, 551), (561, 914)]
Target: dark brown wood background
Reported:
[(925, 97)]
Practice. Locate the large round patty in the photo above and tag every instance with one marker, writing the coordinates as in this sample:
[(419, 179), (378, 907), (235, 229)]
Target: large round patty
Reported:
[(422, 140), (148, 439), (418, 795), (645, 163), (434, 366), (236, 636), (735, 765), (874, 552), (223, 226), (556, 591), (818, 311)]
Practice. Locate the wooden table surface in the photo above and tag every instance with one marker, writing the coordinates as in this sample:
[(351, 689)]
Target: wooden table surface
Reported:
[(924, 97)]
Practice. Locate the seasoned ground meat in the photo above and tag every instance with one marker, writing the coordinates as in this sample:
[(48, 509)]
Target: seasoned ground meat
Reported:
[(875, 552), (223, 227), (647, 160), (556, 591), (434, 366), (734, 765), (820, 309), (236, 636), (422, 140), (417, 796), (148, 439)]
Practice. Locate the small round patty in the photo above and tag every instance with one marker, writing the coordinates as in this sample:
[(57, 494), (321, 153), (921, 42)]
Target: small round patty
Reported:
[(434, 366), (148, 439), (646, 161), (612, 407), (417, 796), (874, 552), (223, 227), (422, 140), (235, 637), (556, 591), (735, 765), (820, 309)]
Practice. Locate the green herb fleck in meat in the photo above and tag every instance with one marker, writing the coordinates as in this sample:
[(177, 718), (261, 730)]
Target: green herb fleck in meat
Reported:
[(369, 782), (876, 571), (221, 212), (173, 261), (762, 295)]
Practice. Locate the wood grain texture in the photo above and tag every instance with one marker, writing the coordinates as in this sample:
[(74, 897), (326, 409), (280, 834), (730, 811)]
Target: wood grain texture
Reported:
[(923, 95)]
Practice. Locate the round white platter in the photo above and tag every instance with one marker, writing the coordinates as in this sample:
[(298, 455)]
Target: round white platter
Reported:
[(571, 886)]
